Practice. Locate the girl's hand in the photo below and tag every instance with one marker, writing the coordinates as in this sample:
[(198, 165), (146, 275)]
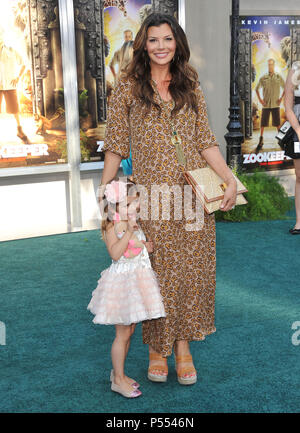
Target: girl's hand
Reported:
[(149, 246), (229, 199)]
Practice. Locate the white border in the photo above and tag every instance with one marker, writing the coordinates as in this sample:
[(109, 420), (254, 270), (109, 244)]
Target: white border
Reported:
[(181, 13), (32, 170), (268, 13), (68, 48)]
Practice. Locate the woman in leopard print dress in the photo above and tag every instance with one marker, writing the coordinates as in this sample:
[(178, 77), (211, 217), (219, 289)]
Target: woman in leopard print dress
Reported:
[(160, 94)]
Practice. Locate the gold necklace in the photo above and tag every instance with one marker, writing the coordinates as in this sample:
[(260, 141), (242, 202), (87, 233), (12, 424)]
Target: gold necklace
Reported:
[(176, 139)]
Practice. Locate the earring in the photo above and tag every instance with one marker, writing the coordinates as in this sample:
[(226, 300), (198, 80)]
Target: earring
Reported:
[(146, 61), (175, 58)]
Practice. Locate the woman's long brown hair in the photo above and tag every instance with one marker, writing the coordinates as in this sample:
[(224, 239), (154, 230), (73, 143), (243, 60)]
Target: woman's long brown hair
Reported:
[(184, 77)]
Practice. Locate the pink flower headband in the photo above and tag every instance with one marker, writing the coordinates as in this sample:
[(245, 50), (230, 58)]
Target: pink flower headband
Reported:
[(115, 192)]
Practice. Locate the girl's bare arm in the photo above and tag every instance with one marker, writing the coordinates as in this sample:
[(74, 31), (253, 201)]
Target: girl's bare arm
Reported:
[(115, 246)]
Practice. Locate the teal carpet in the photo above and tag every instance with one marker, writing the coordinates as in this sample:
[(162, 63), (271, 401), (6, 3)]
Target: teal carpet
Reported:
[(56, 360)]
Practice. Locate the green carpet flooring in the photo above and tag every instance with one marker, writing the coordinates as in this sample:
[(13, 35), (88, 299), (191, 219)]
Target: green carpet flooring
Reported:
[(56, 360)]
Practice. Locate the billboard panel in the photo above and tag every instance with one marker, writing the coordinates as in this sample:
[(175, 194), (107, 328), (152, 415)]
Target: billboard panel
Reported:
[(32, 115)]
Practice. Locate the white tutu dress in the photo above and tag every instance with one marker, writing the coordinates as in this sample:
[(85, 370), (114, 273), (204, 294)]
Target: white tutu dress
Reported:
[(127, 291)]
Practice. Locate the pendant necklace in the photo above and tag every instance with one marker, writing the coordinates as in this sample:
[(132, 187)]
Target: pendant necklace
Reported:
[(176, 139)]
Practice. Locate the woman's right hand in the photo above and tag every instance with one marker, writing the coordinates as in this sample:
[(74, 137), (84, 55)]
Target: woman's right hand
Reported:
[(229, 199)]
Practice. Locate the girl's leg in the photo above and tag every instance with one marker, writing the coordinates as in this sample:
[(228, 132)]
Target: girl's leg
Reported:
[(118, 355), (132, 328), (297, 192)]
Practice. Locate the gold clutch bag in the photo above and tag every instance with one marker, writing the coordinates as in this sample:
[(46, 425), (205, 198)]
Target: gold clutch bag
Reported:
[(209, 188)]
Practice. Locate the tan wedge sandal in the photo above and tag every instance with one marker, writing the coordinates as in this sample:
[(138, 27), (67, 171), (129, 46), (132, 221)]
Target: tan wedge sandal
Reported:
[(185, 370), (157, 366)]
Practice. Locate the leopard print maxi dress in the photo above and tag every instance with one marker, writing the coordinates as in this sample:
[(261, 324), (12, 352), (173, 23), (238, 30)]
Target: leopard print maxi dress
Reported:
[(184, 260)]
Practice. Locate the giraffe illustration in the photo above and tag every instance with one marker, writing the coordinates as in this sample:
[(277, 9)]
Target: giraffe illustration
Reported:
[(120, 4), (261, 36)]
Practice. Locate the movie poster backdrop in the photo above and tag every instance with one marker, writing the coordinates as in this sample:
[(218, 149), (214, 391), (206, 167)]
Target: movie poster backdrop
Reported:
[(32, 115), (265, 57), (98, 72)]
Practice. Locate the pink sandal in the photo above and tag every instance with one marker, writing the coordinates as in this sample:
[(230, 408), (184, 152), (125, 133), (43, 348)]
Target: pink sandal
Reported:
[(133, 394), (134, 384)]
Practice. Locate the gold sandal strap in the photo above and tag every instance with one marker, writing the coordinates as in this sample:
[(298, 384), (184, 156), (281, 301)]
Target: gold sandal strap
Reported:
[(155, 367), (184, 358), (156, 357), (186, 370), (159, 365)]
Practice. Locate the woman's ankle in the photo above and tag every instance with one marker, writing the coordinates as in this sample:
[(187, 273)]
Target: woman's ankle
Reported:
[(181, 347)]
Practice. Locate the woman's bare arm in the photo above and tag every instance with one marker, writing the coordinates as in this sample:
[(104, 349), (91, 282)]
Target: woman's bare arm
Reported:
[(111, 165)]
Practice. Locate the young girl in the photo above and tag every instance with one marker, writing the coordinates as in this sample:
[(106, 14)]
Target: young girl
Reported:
[(128, 291)]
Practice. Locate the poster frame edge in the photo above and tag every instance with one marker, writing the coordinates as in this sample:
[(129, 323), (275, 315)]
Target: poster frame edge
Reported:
[(268, 13), (181, 14)]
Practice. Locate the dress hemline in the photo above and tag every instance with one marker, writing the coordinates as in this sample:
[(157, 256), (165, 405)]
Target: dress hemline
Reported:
[(188, 338)]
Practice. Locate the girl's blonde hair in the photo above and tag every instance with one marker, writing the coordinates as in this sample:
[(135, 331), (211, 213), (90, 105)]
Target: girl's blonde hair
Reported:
[(110, 208)]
